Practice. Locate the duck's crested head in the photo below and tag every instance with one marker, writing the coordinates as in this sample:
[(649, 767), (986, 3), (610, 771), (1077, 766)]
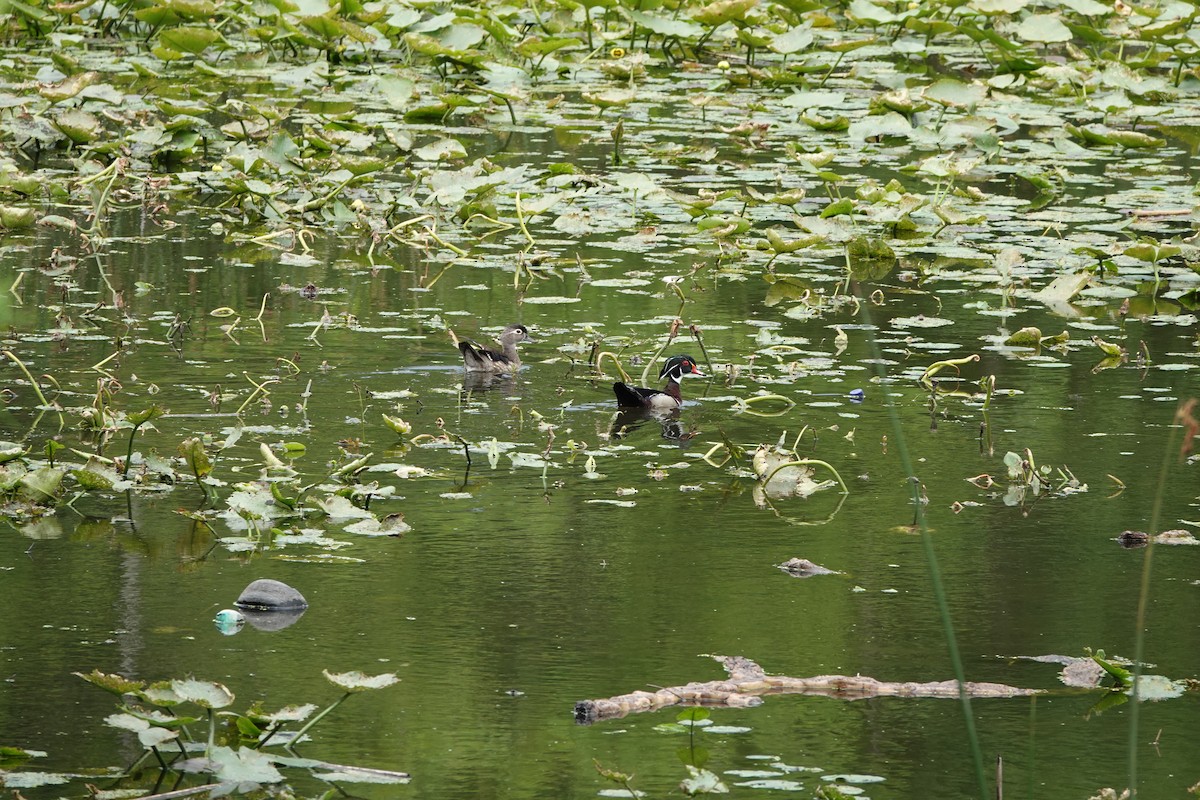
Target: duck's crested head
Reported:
[(515, 332), (678, 366)]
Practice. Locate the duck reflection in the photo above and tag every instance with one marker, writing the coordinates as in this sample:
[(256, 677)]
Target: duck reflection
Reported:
[(487, 382), (628, 420)]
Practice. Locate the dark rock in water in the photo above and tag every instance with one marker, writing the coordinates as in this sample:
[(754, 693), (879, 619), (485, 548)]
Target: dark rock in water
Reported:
[(268, 595), (803, 568)]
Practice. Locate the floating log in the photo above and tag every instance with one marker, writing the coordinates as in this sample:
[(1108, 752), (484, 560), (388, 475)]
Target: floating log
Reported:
[(747, 682)]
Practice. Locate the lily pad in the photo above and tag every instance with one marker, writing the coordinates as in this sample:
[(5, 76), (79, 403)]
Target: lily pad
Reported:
[(356, 681), (205, 694)]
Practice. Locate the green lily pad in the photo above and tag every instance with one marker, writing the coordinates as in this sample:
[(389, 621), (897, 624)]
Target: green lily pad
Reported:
[(443, 149), (244, 766), (666, 26), (1043, 28), (205, 694), (189, 39), (80, 127), (722, 11), (42, 485), (1026, 337), (117, 684)]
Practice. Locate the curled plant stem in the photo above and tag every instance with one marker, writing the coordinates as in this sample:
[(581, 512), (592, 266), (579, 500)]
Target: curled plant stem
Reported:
[(988, 385), (117, 167), (521, 221), (411, 221), (259, 388), (709, 459), (744, 405), (804, 462), (616, 362), (99, 364), (28, 376), (938, 366), (800, 436), (670, 338), (457, 250)]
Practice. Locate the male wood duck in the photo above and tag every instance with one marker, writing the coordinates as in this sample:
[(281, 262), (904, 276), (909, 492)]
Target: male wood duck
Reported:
[(480, 359), (674, 369)]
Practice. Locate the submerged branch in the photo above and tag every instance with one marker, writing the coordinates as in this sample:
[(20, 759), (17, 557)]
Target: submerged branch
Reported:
[(747, 683)]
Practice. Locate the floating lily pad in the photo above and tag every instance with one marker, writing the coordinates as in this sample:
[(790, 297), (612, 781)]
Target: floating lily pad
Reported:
[(921, 322), (359, 682), (32, 780), (551, 300), (206, 694), (776, 784)]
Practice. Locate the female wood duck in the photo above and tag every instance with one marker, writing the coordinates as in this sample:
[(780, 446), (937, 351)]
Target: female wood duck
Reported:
[(674, 369), (481, 359)]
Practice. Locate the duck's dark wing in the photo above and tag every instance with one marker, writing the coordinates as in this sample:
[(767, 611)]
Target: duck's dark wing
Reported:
[(633, 396), (481, 358)]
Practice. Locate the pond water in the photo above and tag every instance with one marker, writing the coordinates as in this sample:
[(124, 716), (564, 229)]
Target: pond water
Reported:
[(530, 583)]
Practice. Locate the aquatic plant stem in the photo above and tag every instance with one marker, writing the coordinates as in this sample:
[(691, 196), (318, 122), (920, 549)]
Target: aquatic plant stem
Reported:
[(670, 338), (938, 366), (695, 331), (129, 451), (616, 362), (258, 388), (308, 726), (112, 172), (262, 309), (707, 457), (98, 366), (212, 732), (1139, 634), (935, 577), (456, 250), (28, 376), (744, 405), (521, 221), (804, 462)]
